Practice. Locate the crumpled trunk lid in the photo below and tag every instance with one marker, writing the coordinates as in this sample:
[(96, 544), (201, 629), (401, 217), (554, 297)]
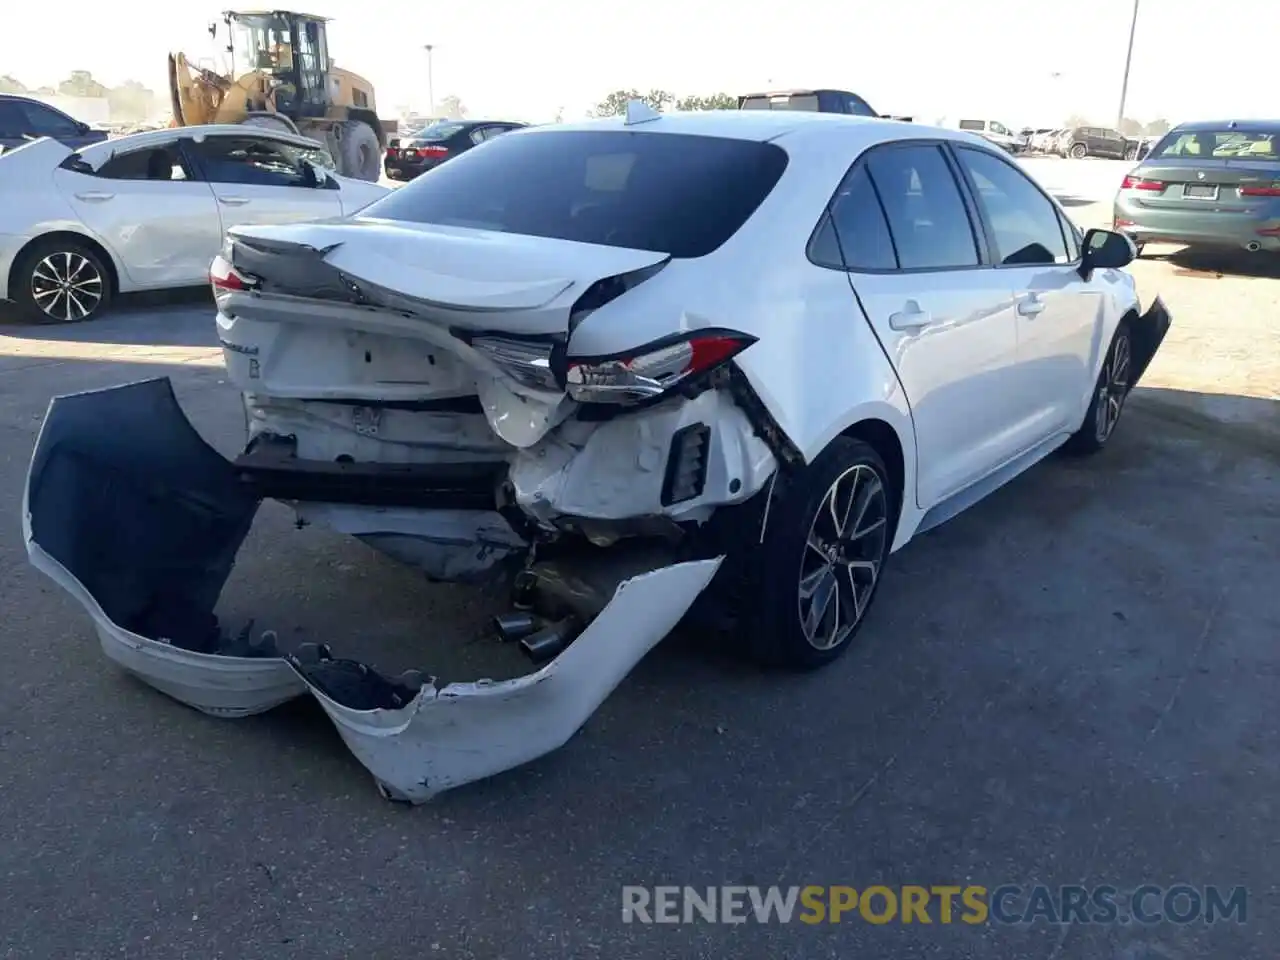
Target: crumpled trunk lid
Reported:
[(456, 276), (136, 517)]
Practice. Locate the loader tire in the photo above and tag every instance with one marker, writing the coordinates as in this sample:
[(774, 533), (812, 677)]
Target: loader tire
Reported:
[(359, 154)]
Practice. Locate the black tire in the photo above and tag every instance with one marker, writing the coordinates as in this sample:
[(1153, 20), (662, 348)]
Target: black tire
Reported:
[(60, 280), (1078, 151), (1109, 394), (359, 154), (801, 538)]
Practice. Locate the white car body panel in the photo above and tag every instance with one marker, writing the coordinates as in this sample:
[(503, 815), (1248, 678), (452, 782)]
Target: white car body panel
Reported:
[(397, 353), (157, 234)]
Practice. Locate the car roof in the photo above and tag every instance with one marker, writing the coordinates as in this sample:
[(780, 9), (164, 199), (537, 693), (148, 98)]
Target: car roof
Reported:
[(167, 135), (768, 125), (1244, 126)]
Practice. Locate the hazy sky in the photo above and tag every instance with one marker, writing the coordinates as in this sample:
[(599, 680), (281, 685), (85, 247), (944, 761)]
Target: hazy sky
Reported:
[(927, 58)]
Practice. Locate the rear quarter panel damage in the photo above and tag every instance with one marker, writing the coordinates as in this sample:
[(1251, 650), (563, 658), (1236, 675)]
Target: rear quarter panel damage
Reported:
[(142, 529)]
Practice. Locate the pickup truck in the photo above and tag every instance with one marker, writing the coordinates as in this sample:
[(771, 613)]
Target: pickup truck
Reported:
[(815, 101)]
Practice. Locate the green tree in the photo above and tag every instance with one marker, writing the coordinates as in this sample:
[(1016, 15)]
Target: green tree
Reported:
[(452, 107), (81, 84), (1076, 120), (10, 84), (1156, 128), (1130, 127), (716, 101), (615, 104)]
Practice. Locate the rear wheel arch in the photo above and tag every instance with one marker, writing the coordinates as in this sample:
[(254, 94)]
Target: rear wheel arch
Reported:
[(83, 239), (884, 439)]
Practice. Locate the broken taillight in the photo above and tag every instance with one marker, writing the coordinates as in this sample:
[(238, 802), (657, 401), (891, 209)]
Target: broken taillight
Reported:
[(651, 371), (430, 153), (227, 279)]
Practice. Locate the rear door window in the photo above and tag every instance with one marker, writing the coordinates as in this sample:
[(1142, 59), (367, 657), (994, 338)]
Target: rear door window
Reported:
[(250, 161), (46, 122), (672, 193), (923, 205), (856, 234)]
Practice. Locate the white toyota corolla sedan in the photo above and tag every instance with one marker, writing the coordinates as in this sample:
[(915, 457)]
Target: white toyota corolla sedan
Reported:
[(149, 211), (662, 367)]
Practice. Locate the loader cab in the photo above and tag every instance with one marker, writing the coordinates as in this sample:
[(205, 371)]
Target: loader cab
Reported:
[(292, 49)]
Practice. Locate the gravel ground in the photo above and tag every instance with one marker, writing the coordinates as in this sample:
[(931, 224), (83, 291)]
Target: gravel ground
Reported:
[(1071, 683)]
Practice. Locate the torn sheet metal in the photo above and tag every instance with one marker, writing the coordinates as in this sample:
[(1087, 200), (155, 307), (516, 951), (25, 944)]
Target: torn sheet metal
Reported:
[(136, 517)]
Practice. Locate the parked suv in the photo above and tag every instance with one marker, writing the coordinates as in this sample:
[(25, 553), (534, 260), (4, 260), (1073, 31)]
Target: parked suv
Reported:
[(812, 101), (1080, 142), (23, 119)]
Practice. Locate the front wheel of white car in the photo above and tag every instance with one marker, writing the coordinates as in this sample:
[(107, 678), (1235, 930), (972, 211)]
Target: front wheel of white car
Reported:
[(60, 281), (1115, 380), (817, 571)]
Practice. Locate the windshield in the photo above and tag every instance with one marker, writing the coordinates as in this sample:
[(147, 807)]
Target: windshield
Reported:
[(796, 101), (260, 43), (972, 125), (1218, 145), (670, 193)]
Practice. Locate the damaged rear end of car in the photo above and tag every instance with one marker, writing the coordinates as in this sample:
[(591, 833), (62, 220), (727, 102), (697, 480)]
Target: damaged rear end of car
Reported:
[(492, 392)]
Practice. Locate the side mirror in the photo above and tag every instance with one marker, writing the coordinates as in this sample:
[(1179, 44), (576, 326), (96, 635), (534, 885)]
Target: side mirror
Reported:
[(1107, 250)]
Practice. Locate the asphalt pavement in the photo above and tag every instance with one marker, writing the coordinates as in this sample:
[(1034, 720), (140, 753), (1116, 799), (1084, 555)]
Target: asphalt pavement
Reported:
[(1072, 683)]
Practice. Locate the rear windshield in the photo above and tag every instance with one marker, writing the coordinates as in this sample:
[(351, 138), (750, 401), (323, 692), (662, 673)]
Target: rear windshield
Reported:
[(799, 101), (670, 193), (972, 125), (438, 131), (1219, 145)]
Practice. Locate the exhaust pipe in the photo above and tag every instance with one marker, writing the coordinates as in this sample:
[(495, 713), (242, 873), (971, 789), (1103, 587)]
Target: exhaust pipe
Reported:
[(550, 642), (1253, 246), (516, 625)]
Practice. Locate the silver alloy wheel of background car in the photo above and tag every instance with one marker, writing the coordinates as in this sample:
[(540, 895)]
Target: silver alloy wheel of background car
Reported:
[(842, 557), (1113, 387), (67, 286), (1078, 152)]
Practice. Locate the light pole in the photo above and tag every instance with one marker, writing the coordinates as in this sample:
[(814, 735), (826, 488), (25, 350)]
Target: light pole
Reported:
[(431, 89), (1128, 61)]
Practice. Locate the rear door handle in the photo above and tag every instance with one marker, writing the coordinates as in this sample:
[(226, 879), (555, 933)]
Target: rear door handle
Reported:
[(1031, 306), (233, 201), (910, 318), (94, 195)]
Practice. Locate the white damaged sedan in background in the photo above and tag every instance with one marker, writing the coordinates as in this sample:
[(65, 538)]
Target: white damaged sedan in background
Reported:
[(714, 367)]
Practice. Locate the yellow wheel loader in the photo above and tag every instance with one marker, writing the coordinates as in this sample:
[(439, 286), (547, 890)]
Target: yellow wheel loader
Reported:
[(282, 77)]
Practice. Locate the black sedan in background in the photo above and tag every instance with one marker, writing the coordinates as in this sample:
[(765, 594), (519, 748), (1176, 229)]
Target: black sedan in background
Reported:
[(416, 154), (1207, 184)]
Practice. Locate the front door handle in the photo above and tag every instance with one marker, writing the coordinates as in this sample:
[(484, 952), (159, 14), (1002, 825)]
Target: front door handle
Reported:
[(910, 318), (233, 201), (94, 195), (1031, 306)]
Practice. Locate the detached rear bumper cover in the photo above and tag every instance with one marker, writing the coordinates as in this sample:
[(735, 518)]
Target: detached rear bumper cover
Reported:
[(128, 510)]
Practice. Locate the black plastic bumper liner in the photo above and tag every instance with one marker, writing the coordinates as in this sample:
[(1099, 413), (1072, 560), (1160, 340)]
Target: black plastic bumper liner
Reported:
[(272, 468)]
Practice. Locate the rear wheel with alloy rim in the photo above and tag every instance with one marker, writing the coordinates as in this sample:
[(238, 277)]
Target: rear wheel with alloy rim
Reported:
[(1109, 394), (60, 281), (1078, 151), (826, 542)]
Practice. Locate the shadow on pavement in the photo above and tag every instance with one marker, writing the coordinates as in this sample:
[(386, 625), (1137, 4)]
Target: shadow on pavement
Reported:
[(132, 319), (1214, 264)]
